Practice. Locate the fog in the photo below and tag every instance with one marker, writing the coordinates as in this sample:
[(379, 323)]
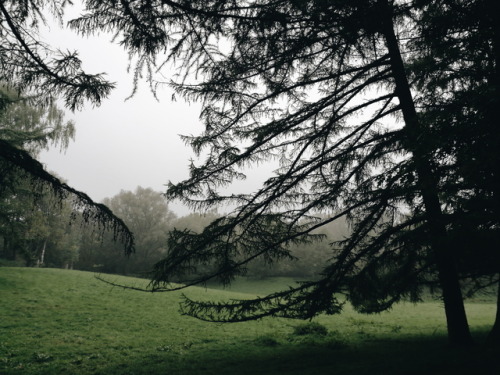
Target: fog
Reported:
[(122, 143), (125, 143)]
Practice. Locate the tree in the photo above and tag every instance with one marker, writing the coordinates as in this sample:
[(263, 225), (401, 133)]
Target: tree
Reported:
[(33, 68), (195, 221), (307, 260), (459, 71), (37, 228), (27, 215), (146, 213), (311, 84)]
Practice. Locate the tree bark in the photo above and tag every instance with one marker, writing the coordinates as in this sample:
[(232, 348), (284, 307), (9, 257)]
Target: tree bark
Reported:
[(42, 255), (458, 328), (493, 113), (493, 338)]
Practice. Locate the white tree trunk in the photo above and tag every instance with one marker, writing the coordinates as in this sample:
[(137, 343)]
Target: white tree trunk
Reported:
[(42, 255)]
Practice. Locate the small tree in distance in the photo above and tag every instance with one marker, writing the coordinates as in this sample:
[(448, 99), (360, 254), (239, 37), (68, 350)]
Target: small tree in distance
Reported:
[(147, 214)]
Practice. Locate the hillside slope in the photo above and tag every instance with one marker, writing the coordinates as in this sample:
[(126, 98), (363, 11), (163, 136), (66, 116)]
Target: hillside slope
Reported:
[(67, 322)]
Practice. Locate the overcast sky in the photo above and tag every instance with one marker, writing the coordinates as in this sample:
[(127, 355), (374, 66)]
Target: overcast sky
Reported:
[(122, 144)]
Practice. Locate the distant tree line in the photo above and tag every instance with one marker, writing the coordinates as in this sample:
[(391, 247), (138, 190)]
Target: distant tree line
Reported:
[(40, 233), (38, 229)]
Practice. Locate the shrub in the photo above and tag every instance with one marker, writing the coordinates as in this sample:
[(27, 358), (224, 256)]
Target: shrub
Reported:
[(311, 328), (266, 341)]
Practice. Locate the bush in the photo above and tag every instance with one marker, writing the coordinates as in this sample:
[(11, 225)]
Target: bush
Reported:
[(266, 341), (311, 328)]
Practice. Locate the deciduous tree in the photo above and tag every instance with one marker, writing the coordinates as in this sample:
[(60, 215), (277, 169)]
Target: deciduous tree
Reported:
[(148, 216)]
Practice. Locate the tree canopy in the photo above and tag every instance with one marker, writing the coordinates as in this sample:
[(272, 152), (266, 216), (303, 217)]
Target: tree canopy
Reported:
[(30, 65), (148, 216)]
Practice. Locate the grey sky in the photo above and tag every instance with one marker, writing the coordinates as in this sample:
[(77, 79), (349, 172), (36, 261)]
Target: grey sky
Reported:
[(124, 144)]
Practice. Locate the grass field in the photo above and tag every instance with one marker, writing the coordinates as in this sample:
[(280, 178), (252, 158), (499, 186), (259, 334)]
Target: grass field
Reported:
[(67, 322)]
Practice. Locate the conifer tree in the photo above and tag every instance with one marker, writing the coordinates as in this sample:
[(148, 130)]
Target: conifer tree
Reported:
[(458, 76), (311, 84)]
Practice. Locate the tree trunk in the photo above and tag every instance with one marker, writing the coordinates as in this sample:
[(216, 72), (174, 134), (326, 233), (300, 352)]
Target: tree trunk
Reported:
[(493, 112), (42, 255), (5, 248), (10, 249), (458, 328), (493, 338)]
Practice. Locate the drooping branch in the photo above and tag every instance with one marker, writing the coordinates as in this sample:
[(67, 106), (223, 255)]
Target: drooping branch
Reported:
[(25, 69), (91, 211)]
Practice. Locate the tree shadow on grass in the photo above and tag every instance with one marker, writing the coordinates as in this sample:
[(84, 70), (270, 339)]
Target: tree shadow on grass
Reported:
[(408, 356)]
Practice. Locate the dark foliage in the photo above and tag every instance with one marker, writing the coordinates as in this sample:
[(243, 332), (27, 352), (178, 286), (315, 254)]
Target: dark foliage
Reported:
[(379, 112), (315, 86), (90, 211), (29, 67)]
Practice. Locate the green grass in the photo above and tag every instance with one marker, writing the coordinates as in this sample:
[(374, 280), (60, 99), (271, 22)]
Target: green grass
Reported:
[(67, 322), (257, 286)]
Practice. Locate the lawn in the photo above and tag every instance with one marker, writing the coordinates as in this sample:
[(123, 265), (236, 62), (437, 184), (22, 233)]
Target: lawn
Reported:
[(67, 322)]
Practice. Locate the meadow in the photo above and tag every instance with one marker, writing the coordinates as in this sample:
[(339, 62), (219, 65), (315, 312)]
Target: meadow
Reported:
[(56, 321)]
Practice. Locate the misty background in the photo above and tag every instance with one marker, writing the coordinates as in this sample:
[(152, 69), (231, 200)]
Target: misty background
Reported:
[(124, 142)]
